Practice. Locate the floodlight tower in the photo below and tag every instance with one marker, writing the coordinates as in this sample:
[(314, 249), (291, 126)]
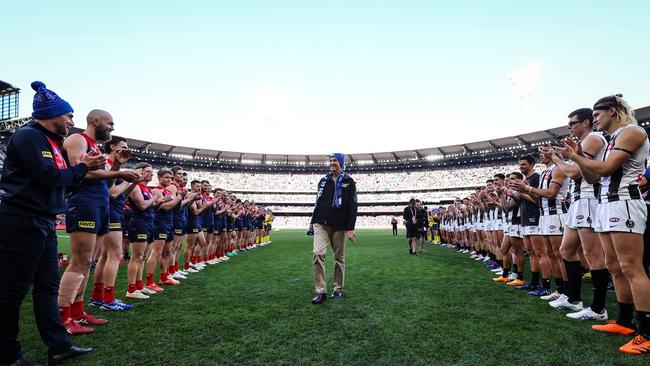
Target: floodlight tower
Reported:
[(524, 80)]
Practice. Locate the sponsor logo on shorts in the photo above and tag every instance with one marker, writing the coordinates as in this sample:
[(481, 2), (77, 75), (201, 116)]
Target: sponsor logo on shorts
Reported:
[(162, 236), (552, 227), (86, 224), (589, 220), (580, 217), (194, 231), (141, 236), (614, 220), (178, 231), (114, 225), (47, 154)]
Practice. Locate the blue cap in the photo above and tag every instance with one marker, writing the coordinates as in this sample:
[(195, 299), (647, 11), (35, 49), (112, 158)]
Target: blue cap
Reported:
[(340, 157), (47, 104)]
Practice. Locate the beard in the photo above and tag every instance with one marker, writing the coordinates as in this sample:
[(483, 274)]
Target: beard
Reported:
[(103, 134)]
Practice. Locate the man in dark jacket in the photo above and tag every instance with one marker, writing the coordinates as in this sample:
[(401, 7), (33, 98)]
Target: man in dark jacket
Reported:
[(34, 179), (333, 221), (411, 223)]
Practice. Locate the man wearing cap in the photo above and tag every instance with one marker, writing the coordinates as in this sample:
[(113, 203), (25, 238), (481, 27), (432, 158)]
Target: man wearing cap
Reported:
[(34, 179), (333, 221)]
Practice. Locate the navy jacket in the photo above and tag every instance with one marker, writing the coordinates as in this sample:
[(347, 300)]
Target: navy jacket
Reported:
[(31, 183), (344, 217)]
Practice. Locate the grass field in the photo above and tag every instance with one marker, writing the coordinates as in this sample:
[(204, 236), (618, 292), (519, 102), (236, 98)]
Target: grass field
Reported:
[(439, 308)]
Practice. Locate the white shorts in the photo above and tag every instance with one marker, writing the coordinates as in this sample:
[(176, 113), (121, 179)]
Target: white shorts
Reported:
[(515, 231), (628, 216), (496, 225), (582, 213), (530, 230), (506, 229), (551, 225), (480, 226)]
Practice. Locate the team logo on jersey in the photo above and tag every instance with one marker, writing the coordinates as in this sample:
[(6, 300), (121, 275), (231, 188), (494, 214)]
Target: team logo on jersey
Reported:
[(589, 220), (614, 219), (46, 154), (86, 224), (629, 223)]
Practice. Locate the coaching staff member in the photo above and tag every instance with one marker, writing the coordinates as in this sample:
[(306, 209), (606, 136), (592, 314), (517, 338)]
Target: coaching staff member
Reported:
[(333, 221), (33, 183)]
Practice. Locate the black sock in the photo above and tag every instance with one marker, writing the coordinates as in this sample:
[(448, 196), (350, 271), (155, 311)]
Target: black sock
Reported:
[(625, 315), (559, 284), (574, 276), (520, 276), (535, 278), (546, 284), (599, 281), (506, 272), (500, 262), (643, 317)]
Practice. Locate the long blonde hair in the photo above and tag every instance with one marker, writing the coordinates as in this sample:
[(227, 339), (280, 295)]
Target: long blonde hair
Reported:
[(624, 113)]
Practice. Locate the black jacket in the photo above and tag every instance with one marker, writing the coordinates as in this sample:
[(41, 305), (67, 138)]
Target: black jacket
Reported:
[(31, 183), (344, 217), (408, 216)]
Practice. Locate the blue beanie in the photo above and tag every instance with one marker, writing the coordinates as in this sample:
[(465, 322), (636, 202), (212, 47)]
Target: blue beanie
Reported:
[(647, 174), (47, 104), (340, 157)]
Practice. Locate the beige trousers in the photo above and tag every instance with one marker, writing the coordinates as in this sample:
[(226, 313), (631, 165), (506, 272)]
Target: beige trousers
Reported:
[(324, 235)]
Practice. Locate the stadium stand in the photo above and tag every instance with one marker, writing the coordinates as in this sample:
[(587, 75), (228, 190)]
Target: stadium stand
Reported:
[(385, 181)]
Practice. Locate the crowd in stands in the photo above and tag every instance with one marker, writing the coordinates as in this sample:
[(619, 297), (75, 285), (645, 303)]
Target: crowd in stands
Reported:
[(373, 182)]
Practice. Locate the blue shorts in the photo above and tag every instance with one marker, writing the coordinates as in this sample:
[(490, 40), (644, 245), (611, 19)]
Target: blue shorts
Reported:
[(141, 232), (218, 225), (87, 219), (115, 220), (180, 229), (180, 225), (229, 226), (163, 232)]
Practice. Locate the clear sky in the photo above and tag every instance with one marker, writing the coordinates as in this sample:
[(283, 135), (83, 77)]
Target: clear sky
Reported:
[(315, 77)]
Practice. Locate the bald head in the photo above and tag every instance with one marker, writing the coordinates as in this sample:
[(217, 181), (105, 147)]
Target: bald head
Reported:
[(102, 124), (97, 114)]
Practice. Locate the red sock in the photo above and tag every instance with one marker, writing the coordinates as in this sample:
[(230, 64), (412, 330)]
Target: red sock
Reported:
[(65, 313), (150, 279), (98, 291), (77, 309), (176, 267), (163, 276), (132, 288), (171, 269), (205, 258), (139, 285), (193, 259), (109, 294), (186, 265)]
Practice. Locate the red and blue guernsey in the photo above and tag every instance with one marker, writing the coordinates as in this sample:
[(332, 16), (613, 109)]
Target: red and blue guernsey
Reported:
[(88, 202), (140, 227), (163, 221), (116, 208), (89, 192)]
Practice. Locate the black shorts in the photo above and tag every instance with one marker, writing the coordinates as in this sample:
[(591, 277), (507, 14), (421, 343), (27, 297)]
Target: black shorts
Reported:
[(411, 232)]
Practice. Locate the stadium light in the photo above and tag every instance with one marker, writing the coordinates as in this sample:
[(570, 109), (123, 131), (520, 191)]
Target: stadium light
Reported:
[(524, 80)]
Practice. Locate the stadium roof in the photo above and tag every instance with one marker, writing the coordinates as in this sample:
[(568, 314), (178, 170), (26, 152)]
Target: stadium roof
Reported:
[(523, 141)]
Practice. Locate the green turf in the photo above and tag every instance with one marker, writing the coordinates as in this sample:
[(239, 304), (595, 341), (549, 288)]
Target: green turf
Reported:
[(439, 308)]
